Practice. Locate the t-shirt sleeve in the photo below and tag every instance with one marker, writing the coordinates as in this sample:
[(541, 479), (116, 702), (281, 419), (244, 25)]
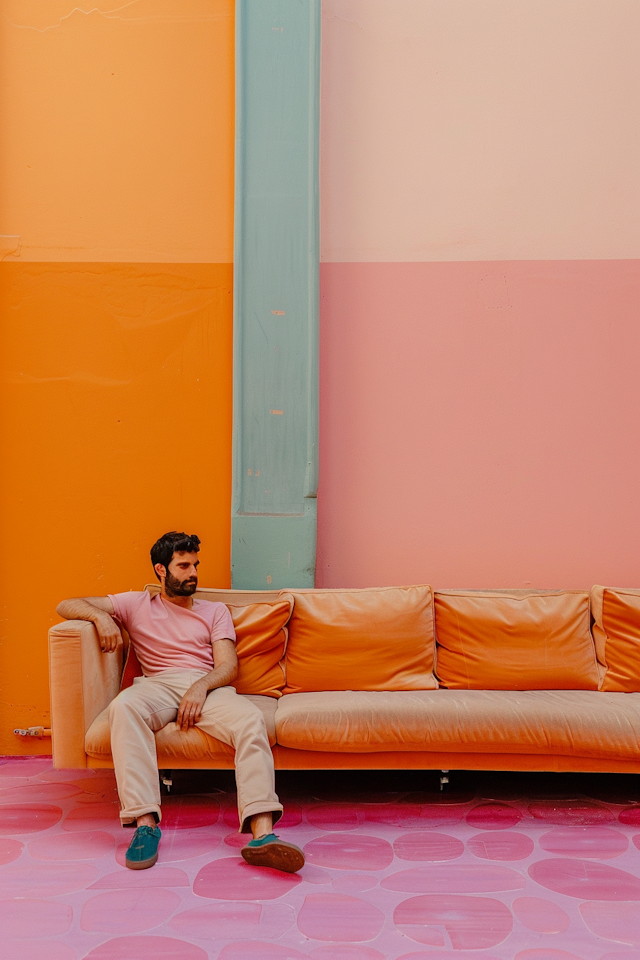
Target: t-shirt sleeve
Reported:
[(124, 606), (222, 627)]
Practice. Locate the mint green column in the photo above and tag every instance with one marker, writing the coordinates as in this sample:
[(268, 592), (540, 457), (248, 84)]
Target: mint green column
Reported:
[(276, 293)]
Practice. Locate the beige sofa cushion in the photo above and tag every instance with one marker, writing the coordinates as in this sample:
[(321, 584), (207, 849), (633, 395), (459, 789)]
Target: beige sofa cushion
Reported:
[(172, 744), (582, 723)]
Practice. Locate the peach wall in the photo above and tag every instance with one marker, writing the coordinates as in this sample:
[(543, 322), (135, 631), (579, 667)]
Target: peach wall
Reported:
[(116, 175), (480, 130), (479, 424)]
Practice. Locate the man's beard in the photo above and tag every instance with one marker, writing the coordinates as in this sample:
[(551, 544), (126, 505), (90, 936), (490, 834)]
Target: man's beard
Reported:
[(179, 588)]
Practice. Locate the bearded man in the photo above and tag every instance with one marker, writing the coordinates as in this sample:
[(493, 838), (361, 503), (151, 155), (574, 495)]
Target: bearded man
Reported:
[(186, 648)]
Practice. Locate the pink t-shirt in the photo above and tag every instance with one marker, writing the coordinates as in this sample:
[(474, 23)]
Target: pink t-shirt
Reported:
[(168, 637)]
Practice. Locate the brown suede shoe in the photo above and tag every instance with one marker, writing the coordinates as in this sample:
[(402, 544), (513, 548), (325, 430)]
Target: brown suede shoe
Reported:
[(270, 851)]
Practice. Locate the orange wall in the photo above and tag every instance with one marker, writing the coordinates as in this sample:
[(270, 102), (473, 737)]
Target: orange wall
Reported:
[(116, 175)]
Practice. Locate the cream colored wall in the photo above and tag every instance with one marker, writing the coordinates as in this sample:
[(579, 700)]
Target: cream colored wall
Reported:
[(480, 130)]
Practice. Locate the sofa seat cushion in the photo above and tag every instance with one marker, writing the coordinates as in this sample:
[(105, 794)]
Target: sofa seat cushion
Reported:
[(372, 639), (582, 723), (616, 630), (172, 744), (515, 640)]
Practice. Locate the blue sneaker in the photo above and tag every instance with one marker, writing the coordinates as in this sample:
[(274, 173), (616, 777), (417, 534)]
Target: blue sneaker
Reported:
[(270, 851), (143, 849)]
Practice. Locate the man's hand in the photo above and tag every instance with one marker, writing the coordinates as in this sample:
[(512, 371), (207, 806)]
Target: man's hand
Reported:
[(190, 709), (108, 632), (100, 611)]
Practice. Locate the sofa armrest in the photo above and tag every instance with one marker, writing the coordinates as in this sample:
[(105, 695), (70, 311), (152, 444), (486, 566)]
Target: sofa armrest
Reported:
[(83, 681)]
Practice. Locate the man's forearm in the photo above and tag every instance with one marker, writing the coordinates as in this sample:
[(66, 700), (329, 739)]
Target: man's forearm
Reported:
[(220, 676), (79, 609)]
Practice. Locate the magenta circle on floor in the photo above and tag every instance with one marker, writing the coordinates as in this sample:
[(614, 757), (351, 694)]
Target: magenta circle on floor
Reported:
[(234, 920), (501, 845), (259, 950), (27, 817), (237, 840), (347, 851), (185, 813), (336, 816), (10, 850), (593, 842), (434, 815), (578, 812), (393, 814), (352, 919), (37, 879), (45, 950), (630, 816), (472, 923), (427, 845), (585, 879), (455, 878), (89, 845), (34, 918), (612, 921), (233, 879), (35, 792), (493, 816), (541, 916), (92, 816), (147, 948)]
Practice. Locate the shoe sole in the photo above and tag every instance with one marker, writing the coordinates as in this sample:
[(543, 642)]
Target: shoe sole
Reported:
[(279, 854), (141, 864)]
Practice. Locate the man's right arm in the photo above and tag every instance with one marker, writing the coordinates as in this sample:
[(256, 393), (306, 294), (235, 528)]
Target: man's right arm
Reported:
[(100, 611)]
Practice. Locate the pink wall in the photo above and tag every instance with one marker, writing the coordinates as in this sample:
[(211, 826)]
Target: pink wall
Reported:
[(480, 401)]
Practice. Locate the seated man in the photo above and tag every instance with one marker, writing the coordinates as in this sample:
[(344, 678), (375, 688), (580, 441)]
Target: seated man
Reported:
[(186, 648)]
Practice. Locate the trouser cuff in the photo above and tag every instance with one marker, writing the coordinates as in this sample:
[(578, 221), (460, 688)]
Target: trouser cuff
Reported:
[(275, 809), (128, 817)]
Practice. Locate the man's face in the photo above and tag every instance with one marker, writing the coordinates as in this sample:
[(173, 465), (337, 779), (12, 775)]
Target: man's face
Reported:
[(182, 575)]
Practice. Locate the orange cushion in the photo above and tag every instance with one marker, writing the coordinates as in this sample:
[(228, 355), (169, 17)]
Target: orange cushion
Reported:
[(515, 640), (376, 639), (261, 639), (616, 630)]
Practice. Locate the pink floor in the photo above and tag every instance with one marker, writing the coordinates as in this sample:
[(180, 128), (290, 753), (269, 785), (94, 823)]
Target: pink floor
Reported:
[(501, 867)]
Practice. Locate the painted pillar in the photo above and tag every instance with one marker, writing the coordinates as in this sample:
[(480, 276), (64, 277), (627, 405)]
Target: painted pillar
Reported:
[(276, 293)]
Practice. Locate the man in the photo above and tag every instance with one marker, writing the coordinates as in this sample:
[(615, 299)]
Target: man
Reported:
[(186, 648)]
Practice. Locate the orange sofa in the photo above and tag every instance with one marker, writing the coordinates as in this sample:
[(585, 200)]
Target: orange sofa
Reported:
[(396, 677)]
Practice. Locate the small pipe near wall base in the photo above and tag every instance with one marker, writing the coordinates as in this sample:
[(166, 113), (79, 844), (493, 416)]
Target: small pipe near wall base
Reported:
[(39, 732)]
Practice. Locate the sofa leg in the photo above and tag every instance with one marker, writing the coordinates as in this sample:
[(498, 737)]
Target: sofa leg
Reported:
[(166, 780), (444, 778)]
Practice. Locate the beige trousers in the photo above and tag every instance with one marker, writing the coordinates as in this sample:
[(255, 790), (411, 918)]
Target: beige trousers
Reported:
[(140, 710)]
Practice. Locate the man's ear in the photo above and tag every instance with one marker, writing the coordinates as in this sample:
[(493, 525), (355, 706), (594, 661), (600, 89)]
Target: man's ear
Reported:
[(161, 570)]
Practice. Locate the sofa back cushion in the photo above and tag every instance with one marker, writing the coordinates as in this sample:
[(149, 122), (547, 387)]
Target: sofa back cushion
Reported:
[(375, 639), (616, 630), (260, 621), (515, 640)]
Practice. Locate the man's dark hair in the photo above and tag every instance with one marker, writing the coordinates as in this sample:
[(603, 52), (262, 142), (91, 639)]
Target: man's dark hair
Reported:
[(163, 549)]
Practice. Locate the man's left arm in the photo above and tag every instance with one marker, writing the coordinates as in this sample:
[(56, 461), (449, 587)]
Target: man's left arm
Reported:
[(225, 671)]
